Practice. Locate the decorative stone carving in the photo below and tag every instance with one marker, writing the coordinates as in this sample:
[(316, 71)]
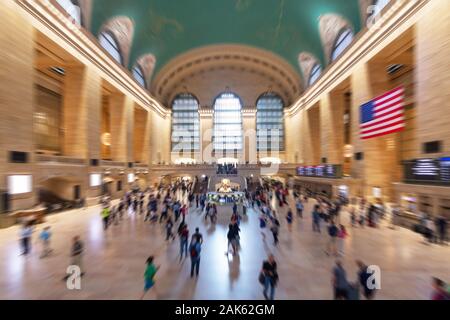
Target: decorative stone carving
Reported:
[(123, 29), (147, 63), (330, 26), (307, 61)]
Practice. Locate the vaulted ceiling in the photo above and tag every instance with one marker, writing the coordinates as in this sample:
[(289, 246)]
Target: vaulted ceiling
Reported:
[(168, 28)]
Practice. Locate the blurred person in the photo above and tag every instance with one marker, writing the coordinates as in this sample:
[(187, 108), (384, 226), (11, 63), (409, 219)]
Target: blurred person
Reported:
[(439, 290), (342, 235), (195, 248), (169, 226), (441, 224), (45, 237), (363, 278), (198, 236), (316, 218), (76, 253), (105, 213), (184, 212), (25, 238), (275, 229), (339, 281), (262, 224), (269, 277), (289, 219), (299, 207), (333, 234), (183, 233), (149, 275)]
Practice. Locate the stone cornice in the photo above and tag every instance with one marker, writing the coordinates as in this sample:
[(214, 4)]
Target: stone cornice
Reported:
[(400, 16), (84, 47)]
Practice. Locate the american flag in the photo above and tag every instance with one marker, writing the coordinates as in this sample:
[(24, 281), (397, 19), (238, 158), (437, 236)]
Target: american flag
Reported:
[(383, 115)]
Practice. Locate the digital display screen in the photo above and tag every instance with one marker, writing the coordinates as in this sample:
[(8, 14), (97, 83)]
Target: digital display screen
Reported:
[(445, 169), (20, 184), (322, 171), (95, 179), (426, 169)]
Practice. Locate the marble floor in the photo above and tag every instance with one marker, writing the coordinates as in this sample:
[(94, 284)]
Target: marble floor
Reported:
[(115, 260)]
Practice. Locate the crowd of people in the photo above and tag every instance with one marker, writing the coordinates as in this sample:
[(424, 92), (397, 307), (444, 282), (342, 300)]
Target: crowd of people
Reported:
[(227, 168), (170, 205)]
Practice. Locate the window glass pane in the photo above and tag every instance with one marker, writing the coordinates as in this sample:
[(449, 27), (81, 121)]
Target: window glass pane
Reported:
[(344, 40), (185, 124), (270, 123), (139, 75), (71, 9), (227, 122), (111, 46), (378, 6), (315, 74)]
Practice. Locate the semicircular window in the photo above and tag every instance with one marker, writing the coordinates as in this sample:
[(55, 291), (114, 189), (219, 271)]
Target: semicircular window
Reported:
[(316, 71), (138, 74), (227, 122), (270, 123), (344, 39), (72, 8), (109, 43), (185, 124)]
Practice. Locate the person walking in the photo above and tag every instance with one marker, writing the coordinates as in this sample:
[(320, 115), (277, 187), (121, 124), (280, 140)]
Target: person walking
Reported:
[(442, 229), (195, 248), (289, 219), (316, 218), (184, 238), (25, 238), (275, 230), (77, 253), (342, 235), (198, 236), (439, 290), (197, 200), (332, 233), (299, 207), (184, 212), (45, 237), (105, 217), (339, 281), (169, 226), (363, 277), (149, 275), (269, 277)]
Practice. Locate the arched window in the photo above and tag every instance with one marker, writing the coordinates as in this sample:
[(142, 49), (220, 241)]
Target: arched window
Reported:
[(377, 7), (344, 39), (315, 74), (227, 122), (109, 43), (185, 123), (72, 8), (138, 74), (270, 123)]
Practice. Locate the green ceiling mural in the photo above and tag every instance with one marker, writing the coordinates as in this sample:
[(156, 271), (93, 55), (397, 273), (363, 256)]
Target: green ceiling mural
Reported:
[(167, 28)]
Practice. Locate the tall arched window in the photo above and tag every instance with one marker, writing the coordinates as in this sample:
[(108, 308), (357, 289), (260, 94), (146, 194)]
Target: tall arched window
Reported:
[(72, 8), (138, 74), (227, 122), (344, 39), (270, 123), (185, 124), (109, 43), (315, 74)]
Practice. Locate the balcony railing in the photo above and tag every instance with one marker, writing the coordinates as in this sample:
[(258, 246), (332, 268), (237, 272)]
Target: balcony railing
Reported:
[(109, 163), (51, 159)]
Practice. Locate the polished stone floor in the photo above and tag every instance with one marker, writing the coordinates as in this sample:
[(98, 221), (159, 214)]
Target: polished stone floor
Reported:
[(115, 260)]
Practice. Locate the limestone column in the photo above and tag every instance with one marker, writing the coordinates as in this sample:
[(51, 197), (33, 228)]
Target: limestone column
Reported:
[(332, 128), (82, 113), (16, 96), (122, 114), (249, 138), (312, 135), (206, 135), (380, 166), (432, 78)]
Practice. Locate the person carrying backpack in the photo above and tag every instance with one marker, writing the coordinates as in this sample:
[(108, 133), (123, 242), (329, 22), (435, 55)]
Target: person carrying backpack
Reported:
[(195, 249)]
